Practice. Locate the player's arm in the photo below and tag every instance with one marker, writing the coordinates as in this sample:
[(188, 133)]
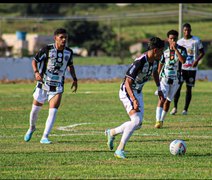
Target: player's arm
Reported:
[(73, 74), (128, 85), (201, 54), (38, 76), (181, 58), (40, 56), (157, 82), (160, 65)]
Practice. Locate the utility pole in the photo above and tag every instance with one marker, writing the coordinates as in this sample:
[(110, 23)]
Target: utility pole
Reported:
[(180, 19)]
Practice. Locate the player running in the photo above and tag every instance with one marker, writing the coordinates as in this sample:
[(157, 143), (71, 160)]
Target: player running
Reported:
[(131, 95)]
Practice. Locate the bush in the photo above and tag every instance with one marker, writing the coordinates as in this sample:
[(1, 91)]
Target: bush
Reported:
[(207, 59)]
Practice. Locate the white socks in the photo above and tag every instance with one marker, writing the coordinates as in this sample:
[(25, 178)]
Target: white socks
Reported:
[(163, 115), (129, 127), (50, 122), (33, 116), (160, 114)]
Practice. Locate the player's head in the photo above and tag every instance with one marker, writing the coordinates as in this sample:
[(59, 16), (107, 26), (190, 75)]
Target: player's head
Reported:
[(156, 45), (155, 42), (187, 25), (187, 30), (172, 32), (60, 37), (60, 31), (172, 35)]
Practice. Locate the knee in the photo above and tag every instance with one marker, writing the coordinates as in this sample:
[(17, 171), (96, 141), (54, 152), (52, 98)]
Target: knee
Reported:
[(137, 120)]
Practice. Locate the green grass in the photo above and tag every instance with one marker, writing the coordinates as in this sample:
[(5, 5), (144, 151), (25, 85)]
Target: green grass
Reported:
[(200, 29), (81, 151), (102, 60)]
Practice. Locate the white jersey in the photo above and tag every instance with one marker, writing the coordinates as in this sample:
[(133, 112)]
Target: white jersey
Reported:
[(192, 46)]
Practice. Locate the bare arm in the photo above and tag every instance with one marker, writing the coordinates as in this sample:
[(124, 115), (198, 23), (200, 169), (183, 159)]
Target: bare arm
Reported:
[(156, 78), (38, 76), (73, 74), (201, 54), (128, 85), (159, 68), (157, 82)]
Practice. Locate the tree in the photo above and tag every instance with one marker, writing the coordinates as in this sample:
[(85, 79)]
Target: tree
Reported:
[(91, 35), (39, 9)]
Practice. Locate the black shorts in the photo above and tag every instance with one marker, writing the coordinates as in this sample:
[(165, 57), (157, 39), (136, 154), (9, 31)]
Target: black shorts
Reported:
[(189, 77)]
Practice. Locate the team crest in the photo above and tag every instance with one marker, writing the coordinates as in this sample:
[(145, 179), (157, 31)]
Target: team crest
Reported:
[(60, 55)]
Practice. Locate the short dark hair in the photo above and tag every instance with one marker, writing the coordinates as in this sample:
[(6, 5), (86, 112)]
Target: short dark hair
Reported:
[(155, 42), (60, 31), (172, 32), (187, 25)]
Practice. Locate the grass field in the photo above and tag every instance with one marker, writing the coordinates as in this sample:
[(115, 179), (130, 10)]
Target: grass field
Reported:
[(79, 149)]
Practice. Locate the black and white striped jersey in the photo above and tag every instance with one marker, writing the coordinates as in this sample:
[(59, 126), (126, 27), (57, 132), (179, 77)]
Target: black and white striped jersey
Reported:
[(140, 71), (171, 64), (52, 64)]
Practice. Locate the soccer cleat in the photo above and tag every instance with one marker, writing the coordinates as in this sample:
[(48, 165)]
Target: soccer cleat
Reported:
[(45, 141), (159, 124), (110, 139), (184, 112), (120, 154), (174, 111), (28, 135)]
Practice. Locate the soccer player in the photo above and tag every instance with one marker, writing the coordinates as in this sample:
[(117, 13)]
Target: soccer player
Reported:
[(195, 52), (131, 96), (169, 69), (49, 66)]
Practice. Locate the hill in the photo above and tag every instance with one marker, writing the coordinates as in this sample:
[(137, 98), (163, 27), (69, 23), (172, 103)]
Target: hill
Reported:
[(132, 22)]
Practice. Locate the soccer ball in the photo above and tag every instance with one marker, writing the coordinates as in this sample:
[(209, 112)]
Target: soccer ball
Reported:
[(177, 147)]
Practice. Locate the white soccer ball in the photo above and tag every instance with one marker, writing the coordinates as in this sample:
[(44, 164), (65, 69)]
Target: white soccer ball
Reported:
[(177, 147)]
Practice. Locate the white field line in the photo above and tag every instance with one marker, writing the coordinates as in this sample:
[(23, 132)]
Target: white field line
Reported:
[(71, 127), (76, 133), (67, 128)]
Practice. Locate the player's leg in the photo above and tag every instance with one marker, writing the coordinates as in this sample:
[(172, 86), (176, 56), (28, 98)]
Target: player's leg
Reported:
[(39, 99), (165, 109), (177, 94), (187, 99), (176, 99), (54, 104), (160, 105), (111, 133), (128, 129), (189, 84), (159, 110)]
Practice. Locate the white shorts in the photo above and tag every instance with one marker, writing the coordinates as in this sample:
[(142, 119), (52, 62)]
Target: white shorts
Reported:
[(128, 104), (42, 95), (169, 90)]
